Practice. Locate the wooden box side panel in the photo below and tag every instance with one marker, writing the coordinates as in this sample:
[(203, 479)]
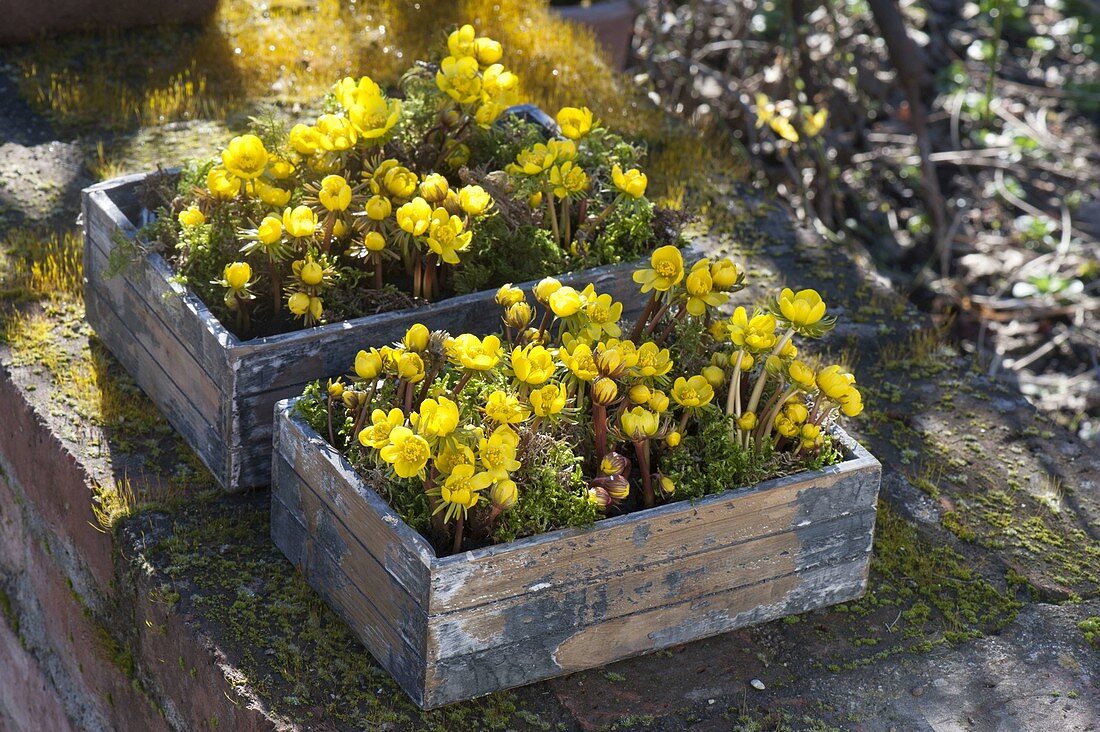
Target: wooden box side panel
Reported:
[(146, 342), (741, 549)]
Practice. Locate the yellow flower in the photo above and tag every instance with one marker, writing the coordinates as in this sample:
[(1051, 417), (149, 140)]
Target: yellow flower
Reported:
[(747, 421), (382, 423), (504, 494), (813, 123), (802, 375), (279, 169), (575, 122), (580, 361), (436, 418), (396, 180), (785, 427), (498, 81), (673, 439), (306, 140), (372, 116), (547, 400), (545, 288), (666, 270), (462, 42), (498, 452), (692, 393), (222, 184), (447, 236), (337, 133), (783, 127), (462, 489), (474, 200), (416, 337), (700, 290), (724, 274), (639, 423), (802, 308), (270, 230), (335, 193), (565, 302), (652, 361), (568, 180), (714, 375), (765, 109), (532, 365), (415, 216), (271, 195), (834, 383), (368, 364), (191, 216), (310, 272), (237, 275), (299, 222), (658, 401), (851, 403), (410, 367), (603, 315), (298, 303), (505, 408), (245, 157), (458, 78), (542, 156), (796, 411), (373, 241), (407, 452), (639, 393), (451, 455), (488, 113), (487, 51), (633, 182), (665, 485), (613, 357), (509, 295), (434, 188), (349, 92), (473, 353), (518, 315), (756, 334), (378, 208)]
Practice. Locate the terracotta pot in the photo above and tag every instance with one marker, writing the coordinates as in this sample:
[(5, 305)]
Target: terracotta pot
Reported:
[(612, 21)]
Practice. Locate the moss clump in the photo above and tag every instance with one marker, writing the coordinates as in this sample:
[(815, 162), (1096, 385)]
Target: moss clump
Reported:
[(1091, 628)]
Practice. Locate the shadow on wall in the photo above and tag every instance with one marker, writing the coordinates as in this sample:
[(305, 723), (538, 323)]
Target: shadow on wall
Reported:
[(27, 20)]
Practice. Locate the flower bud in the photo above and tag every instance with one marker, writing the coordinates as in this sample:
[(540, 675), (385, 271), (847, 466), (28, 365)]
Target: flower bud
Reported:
[(747, 361), (316, 307), (672, 439), (298, 303), (504, 494), (410, 367), (368, 364), (311, 273), (353, 399), (714, 376), (434, 188), (335, 389), (639, 393), (509, 295), (545, 288), (373, 241), (416, 338), (664, 485), (518, 315), (614, 463), (604, 390), (237, 275), (599, 496), (609, 362), (747, 421), (191, 216), (617, 486), (658, 401)]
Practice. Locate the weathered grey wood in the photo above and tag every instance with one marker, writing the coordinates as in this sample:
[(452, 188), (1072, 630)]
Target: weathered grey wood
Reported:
[(531, 609), (693, 618), (251, 376)]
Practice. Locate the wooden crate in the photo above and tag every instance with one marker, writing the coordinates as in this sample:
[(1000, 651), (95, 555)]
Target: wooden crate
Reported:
[(218, 391), (457, 627)]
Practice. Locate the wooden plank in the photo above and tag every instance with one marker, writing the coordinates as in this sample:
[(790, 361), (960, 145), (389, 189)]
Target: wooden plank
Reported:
[(402, 618), (149, 373), (633, 588), (691, 619), (158, 337), (149, 278), (323, 574), (659, 534), (405, 554)]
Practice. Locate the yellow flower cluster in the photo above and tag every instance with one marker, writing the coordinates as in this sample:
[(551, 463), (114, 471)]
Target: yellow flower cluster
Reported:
[(786, 120), (472, 77)]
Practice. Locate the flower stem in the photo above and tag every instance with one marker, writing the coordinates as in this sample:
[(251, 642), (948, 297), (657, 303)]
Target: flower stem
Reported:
[(641, 449), (599, 427), (552, 214), (378, 270), (733, 399), (457, 546), (644, 317), (461, 383)]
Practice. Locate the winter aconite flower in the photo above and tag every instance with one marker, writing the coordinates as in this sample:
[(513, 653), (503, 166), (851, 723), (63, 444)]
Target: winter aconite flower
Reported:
[(415, 216), (565, 302), (532, 365), (335, 193), (368, 364), (462, 489), (498, 452), (377, 435), (802, 308), (222, 184), (505, 408), (568, 180), (692, 393), (436, 418), (245, 157), (300, 222), (447, 235), (548, 400), (378, 208), (191, 216), (639, 423), (575, 122), (458, 78), (474, 200), (473, 353), (700, 290), (666, 268), (406, 451), (632, 183)]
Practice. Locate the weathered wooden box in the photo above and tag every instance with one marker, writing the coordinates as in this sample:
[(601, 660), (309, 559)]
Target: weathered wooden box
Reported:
[(457, 627), (217, 390)]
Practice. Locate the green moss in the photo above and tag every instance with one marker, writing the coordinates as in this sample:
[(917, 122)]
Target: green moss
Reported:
[(1091, 628)]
